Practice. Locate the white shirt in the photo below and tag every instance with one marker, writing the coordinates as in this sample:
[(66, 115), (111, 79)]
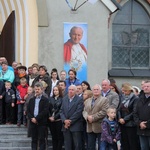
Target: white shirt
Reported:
[(53, 84)]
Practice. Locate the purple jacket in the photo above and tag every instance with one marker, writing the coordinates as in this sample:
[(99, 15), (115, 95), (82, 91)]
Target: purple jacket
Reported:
[(107, 135)]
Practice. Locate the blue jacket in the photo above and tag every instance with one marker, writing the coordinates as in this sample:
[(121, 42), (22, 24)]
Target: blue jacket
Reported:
[(9, 67), (75, 82), (7, 76)]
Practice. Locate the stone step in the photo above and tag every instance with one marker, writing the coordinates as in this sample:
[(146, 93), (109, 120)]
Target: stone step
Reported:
[(15, 142), (15, 148), (22, 148), (13, 145), (12, 135), (12, 128), (18, 142)]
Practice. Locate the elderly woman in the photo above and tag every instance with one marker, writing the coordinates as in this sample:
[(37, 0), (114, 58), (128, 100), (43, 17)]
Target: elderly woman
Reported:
[(129, 138), (87, 94), (6, 74)]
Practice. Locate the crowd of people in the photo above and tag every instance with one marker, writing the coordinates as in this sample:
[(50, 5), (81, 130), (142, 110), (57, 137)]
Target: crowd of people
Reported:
[(79, 117)]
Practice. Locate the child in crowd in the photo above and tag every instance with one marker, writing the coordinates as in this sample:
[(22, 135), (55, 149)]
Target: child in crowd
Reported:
[(110, 131), (21, 92), (9, 95), (30, 93), (28, 96), (44, 88)]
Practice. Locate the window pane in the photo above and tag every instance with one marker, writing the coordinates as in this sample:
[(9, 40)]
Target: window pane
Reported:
[(140, 57), (120, 57), (125, 13), (131, 39), (121, 35), (139, 15), (140, 35)]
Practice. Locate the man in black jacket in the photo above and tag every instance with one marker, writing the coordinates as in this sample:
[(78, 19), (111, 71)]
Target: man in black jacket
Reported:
[(142, 117), (38, 114)]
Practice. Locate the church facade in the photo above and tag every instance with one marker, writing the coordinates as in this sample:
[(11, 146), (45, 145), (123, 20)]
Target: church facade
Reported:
[(118, 42)]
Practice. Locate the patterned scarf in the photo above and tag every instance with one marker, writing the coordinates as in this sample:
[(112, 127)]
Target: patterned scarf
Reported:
[(126, 100), (33, 76)]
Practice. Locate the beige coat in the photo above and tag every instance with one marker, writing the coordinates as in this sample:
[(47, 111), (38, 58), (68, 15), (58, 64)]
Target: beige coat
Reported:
[(98, 112)]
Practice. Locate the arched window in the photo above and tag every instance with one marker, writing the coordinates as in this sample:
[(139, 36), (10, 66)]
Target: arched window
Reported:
[(131, 38)]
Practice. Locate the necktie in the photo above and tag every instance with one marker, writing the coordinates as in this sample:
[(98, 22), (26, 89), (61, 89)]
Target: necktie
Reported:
[(69, 103), (93, 102)]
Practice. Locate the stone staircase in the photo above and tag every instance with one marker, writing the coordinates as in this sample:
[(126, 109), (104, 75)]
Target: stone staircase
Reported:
[(15, 138)]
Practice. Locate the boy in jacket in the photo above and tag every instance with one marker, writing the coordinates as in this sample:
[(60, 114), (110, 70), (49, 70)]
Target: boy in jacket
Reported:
[(9, 95), (21, 92), (110, 131)]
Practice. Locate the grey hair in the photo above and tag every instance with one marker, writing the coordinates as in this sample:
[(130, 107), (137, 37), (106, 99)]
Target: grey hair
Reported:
[(38, 84), (73, 87), (98, 86), (107, 80)]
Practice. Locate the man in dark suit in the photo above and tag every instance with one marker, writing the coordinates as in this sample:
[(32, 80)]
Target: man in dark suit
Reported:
[(38, 115), (79, 90), (71, 116)]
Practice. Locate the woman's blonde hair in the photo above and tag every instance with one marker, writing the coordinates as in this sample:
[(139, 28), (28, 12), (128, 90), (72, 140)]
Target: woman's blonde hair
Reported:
[(89, 93), (44, 84)]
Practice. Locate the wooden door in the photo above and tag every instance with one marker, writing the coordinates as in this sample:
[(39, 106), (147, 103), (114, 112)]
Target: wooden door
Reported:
[(7, 39)]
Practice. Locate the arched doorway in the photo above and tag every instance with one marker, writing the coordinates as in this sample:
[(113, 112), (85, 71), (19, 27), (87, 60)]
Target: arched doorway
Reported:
[(7, 39)]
